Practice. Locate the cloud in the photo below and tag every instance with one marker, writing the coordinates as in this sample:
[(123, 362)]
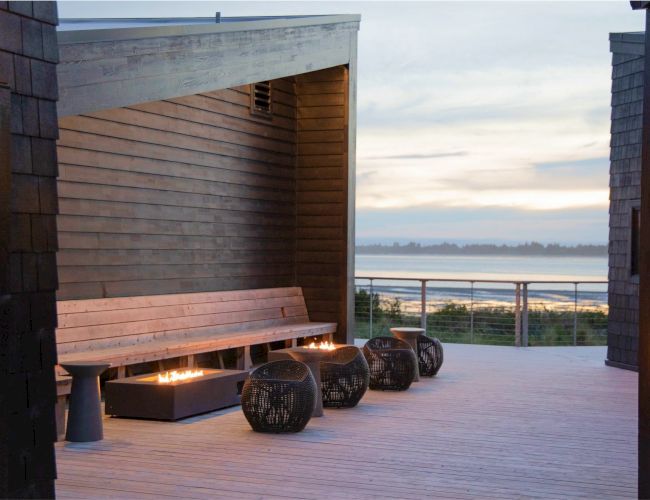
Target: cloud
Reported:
[(417, 156), (366, 176), (524, 93), (587, 175), (585, 165)]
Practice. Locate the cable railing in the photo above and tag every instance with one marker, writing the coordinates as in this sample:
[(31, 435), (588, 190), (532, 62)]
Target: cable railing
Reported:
[(498, 312)]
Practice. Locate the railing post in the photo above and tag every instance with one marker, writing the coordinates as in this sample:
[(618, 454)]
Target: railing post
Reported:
[(524, 317), (575, 314), (370, 313), (518, 315), (423, 305), (471, 313)]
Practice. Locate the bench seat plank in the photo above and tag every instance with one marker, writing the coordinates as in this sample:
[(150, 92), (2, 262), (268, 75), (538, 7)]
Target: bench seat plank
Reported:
[(146, 301), (130, 330), (164, 349), (171, 325), (293, 305)]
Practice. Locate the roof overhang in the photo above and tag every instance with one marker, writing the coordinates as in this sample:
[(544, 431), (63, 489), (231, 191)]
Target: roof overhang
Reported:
[(639, 5), (116, 67), (632, 43)]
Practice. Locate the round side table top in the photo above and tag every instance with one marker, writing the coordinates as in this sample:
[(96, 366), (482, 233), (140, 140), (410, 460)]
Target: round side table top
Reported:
[(308, 355), (85, 368), (408, 330)]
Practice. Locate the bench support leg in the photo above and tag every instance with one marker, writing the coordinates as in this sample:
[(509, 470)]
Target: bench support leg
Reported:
[(190, 361), (294, 342), (121, 371), (244, 361), (222, 365), (59, 411)]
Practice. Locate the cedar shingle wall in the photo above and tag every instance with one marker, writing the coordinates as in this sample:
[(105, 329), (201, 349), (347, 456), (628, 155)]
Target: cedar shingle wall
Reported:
[(28, 205), (189, 194), (322, 194), (625, 178)]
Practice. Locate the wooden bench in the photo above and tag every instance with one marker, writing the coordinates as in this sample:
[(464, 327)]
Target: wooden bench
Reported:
[(129, 330)]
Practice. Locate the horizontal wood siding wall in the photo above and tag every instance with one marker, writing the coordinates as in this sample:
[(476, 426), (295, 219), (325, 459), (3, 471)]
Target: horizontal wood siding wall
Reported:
[(181, 195), (322, 195)]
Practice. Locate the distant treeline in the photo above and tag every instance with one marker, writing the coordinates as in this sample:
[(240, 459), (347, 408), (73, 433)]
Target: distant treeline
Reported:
[(532, 248)]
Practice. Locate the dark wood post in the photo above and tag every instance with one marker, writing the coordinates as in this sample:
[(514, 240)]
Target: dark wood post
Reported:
[(644, 280), (5, 214), (5, 184), (644, 287)]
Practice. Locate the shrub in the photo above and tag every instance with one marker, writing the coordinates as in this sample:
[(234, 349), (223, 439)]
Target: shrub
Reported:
[(457, 323)]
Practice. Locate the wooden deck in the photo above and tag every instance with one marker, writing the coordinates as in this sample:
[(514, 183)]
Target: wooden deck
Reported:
[(497, 422)]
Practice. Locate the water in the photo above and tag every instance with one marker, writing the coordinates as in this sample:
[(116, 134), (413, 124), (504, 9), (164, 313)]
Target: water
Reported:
[(497, 267), (492, 267)]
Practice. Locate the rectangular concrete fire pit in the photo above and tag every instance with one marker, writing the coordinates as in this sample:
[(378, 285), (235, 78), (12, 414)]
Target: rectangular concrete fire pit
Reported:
[(160, 396)]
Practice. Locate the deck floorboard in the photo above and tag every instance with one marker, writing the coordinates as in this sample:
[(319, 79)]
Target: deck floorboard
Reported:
[(497, 422)]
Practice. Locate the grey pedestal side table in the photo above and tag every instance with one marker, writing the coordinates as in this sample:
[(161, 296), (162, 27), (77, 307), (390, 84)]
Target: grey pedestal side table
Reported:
[(85, 412), (312, 358), (410, 335)]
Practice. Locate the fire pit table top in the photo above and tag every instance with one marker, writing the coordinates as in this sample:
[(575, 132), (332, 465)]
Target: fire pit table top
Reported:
[(154, 378), (304, 352), (164, 396)]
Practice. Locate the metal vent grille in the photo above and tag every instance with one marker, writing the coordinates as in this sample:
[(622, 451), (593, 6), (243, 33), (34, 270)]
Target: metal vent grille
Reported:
[(261, 99)]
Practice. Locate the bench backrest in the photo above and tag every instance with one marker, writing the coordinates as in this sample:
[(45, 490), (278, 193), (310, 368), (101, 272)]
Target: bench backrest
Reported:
[(86, 325)]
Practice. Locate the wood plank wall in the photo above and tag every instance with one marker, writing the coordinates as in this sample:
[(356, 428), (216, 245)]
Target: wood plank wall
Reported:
[(322, 195), (196, 194), (181, 195)]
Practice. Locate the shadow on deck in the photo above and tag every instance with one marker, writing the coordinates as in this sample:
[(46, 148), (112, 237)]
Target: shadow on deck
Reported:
[(497, 422)]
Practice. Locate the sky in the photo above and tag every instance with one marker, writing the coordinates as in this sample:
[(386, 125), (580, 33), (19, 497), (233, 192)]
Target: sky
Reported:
[(477, 121)]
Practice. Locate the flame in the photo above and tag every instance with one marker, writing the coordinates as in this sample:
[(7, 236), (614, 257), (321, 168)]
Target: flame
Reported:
[(173, 376), (325, 346)]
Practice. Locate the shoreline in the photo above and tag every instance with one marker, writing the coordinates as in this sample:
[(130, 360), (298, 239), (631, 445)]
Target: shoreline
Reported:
[(438, 298)]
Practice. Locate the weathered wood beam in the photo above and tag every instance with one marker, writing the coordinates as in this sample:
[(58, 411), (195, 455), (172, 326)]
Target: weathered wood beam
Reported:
[(351, 185), (108, 71)]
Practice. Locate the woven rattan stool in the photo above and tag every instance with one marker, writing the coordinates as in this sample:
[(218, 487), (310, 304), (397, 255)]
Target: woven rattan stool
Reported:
[(344, 378), (279, 397), (392, 363), (430, 355)]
